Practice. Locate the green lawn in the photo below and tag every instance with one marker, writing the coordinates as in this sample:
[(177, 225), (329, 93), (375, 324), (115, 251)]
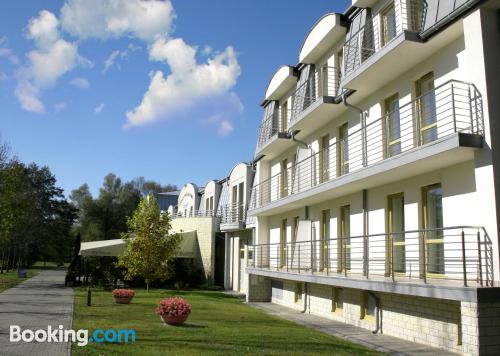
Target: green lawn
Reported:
[(218, 324), (10, 279)]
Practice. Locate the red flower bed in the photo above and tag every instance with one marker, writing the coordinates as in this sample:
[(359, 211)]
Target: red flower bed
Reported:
[(123, 293), (173, 307)]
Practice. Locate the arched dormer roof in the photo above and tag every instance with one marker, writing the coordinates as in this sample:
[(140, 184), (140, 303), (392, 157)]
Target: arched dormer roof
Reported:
[(325, 32), (282, 81)]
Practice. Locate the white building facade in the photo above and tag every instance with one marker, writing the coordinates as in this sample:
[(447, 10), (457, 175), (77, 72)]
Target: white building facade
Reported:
[(375, 191)]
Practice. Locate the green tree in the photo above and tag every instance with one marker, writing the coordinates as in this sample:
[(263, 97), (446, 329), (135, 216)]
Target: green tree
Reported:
[(150, 244)]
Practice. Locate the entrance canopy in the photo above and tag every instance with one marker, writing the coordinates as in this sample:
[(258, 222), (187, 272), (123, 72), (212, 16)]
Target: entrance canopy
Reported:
[(187, 247)]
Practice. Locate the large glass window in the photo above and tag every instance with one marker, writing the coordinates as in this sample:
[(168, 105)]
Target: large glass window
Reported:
[(388, 22), (324, 237), (426, 109), (392, 126), (433, 224), (324, 159), (396, 236), (343, 149), (345, 238)]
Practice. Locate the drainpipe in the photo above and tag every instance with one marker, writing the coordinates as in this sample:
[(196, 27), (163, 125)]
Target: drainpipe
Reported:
[(365, 233), (306, 285), (362, 117), (378, 313), (292, 134)]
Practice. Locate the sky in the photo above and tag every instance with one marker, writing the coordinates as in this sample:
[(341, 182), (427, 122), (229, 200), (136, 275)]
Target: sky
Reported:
[(167, 90)]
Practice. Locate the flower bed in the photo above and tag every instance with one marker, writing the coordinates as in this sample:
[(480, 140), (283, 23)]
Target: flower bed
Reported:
[(174, 310)]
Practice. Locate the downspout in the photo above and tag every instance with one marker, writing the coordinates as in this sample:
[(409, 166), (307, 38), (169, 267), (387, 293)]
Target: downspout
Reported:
[(378, 313), (362, 118), (292, 134)]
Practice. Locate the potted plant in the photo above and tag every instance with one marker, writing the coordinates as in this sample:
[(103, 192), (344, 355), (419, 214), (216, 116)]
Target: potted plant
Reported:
[(173, 311), (123, 296)]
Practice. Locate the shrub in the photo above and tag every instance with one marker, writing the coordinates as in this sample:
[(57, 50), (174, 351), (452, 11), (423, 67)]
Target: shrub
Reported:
[(174, 306), (123, 293)]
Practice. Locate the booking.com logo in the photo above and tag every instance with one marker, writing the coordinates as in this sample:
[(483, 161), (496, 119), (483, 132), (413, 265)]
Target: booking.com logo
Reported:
[(81, 336)]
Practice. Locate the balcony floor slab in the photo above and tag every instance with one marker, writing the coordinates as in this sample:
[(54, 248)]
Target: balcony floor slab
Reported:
[(447, 151), (440, 289)]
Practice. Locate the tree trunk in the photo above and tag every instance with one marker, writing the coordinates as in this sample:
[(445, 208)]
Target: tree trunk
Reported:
[(147, 286)]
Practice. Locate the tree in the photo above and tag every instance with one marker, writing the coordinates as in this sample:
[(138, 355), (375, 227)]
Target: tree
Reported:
[(150, 244)]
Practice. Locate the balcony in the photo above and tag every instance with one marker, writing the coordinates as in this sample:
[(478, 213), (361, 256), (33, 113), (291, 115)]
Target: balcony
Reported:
[(443, 125), (387, 45), (397, 262), (273, 136), (312, 100), (195, 214), (233, 217)]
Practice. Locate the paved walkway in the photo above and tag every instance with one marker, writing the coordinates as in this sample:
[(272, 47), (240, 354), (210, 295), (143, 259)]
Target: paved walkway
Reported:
[(379, 342), (36, 303)]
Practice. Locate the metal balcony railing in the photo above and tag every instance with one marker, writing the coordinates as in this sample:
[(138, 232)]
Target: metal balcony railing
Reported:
[(233, 213), (323, 82), (271, 126), (378, 31), (195, 214), (448, 109), (460, 254)]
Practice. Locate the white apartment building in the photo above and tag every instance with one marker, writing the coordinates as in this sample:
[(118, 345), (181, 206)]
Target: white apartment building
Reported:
[(376, 185), (216, 215)]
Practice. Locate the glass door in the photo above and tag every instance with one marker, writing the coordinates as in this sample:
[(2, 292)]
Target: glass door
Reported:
[(284, 179), (388, 20), (343, 150), (392, 126), (345, 239), (241, 200), (324, 159), (284, 117), (234, 204), (433, 224), (324, 237), (282, 256), (396, 236), (426, 109)]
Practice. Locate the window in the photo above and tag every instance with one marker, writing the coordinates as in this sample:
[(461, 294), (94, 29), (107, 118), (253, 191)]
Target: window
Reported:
[(345, 239), (284, 178), (396, 236), (388, 23), (324, 237), (298, 292), (432, 214), (284, 116), (324, 159), (392, 126), (426, 109), (368, 306), (343, 150), (241, 200), (234, 204), (337, 300), (283, 242)]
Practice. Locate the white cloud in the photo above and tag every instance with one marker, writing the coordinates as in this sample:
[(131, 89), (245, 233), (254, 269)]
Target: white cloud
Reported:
[(52, 58), (225, 128), (99, 108), (60, 107), (7, 53), (81, 83), (145, 20), (188, 83), (28, 94)]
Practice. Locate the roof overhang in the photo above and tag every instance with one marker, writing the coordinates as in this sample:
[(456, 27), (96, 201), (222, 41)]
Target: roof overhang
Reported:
[(187, 249), (328, 30), (364, 3)]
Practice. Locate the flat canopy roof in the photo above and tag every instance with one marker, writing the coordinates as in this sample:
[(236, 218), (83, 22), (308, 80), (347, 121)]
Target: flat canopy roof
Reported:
[(116, 247)]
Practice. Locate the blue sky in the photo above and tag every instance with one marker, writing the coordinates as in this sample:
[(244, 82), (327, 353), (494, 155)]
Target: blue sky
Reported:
[(177, 101)]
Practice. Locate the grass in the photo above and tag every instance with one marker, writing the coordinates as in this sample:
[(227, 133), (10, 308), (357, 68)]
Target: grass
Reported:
[(11, 279), (218, 325)]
